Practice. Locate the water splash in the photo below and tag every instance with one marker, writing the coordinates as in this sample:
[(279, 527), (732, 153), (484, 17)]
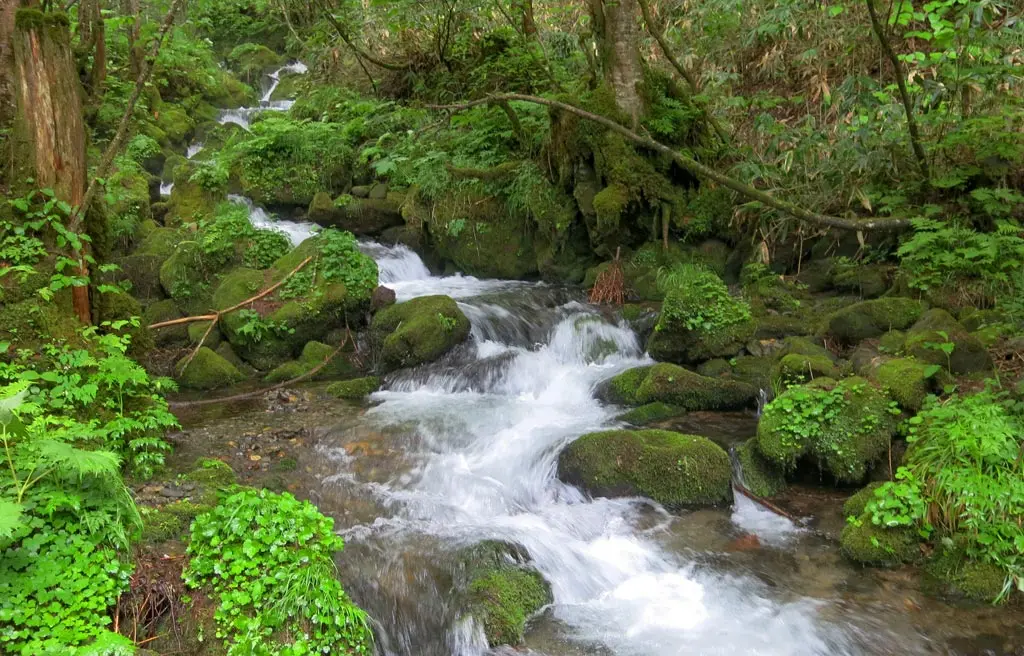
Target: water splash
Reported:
[(242, 116), (296, 231), (166, 188)]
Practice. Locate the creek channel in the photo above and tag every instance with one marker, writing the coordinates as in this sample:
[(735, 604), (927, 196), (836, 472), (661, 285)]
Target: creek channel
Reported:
[(465, 449)]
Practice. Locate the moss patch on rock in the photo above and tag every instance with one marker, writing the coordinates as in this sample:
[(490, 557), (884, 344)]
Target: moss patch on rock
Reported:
[(759, 476), (651, 413), (418, 331), (863, 542), (357, 388), (868, 319), (679, 387), (674, 469), (907, 381), (856, 504), (207, 371), (313, 354), (937, 329), (844, 427)]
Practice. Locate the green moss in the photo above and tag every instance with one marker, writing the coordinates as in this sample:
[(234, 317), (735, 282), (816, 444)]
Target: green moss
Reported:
[(754, 370), (845, 429), (252, 60), (715, 368), (962, 577), (160, 526), (759, 476), (190, 202), (937, 327), (313, 355), (622, 389), (674, 469), (321, 207), (856, 504), (160, 241), (197, 331), (357, 388), (796, 368), (865, 543), (868, 319), (674, 385), (651, 413), (504, 599), (175, 123), (212, 472), (864, 280), (182, 275), (892, 342), (419, 330), (207, 371), (906, 380), (609, 203), (29, 323), (974, 319), (113, 306), (166, 310)]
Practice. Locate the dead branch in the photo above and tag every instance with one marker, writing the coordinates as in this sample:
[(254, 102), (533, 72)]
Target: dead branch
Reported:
[(699, 170), (610, 285), (767, 504)]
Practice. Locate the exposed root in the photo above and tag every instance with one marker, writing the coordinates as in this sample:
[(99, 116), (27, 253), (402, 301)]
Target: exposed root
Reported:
[(610, 286)]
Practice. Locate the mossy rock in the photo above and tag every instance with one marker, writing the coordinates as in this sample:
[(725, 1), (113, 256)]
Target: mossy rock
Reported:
[(231, 92), (795, 368), (867, 544), (479, 235), (622, 389), (313, 355), (159, 525), (175, 124), (924, 338), (190, 202), (858, 502), (289, 86), (500, 590), (360, 216), (207, 371), (754, 370), (143, 272), (805, 346), (676, 386), (973, 319), (182, 275), (160, 242), (759, 476), (252, 60), (197, 332), (213, 473), (716, 368), (864, 280), (28, 324), (844, 427), (693, 347), (418, 331), (358, 388), (892, 342), (166, 310), (907, 381), (963, 577), (873, 318), (651, 413), (674, 469)]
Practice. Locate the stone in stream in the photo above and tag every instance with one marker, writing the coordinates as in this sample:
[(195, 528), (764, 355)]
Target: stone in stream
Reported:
[(418, 331), (674, 469), (674, 385), (207, 371)]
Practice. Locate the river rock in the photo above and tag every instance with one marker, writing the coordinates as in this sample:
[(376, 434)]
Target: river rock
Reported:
[(868, 319), (417, 331), (674, 385), (207, 371), (674, 469), (937, 328)]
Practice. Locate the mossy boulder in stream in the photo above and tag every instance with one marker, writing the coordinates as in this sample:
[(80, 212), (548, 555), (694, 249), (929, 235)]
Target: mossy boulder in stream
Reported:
[(907, 381), (207, 371), (865, 543), (417, 331), (361, 216), (679, 387), (759, 476), (500, 590), (313, 355), (357, 388), (674, 469), (844, 427), (937, 331)]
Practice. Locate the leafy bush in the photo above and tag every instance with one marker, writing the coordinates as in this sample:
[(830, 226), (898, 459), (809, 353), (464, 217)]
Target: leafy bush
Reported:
[(698, 300), (230, 237), (211, 175), (269, 558), (962, 482), (141, 148), (343, 262)]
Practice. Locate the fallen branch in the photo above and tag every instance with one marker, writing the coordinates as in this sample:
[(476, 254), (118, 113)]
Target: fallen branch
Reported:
[(690, 78), (215, 317), (767, 504), (247, 395), (698, 169)]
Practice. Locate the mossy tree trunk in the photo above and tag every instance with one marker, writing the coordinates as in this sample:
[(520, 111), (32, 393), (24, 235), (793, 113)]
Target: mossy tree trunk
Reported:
[(7, 9), (617, 33), (49, 128)]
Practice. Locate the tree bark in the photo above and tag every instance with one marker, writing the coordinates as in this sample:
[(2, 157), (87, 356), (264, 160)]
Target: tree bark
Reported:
[(49, 121), (618, 42), (99, 59), (7, 9), (525, 10)]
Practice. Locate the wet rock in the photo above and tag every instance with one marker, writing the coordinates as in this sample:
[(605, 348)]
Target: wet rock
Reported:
[(674, 385), (907, 381), (937, 329), (207, 371), (358, 388), (674, 469), (313, 355), (381, 298), (166, 310), (759, 476), (873, 318), (418, 331), (865, 543)]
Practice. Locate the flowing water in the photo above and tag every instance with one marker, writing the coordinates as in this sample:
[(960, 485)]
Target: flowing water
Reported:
[(465, 450), (243, 115)]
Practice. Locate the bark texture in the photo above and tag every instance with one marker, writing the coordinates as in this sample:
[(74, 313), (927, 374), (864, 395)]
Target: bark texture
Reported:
[(618, 41), (49, 129), (7, 9)]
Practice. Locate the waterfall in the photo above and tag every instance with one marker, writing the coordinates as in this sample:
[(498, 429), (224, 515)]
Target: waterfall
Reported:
[(243, 115), (296, 231)]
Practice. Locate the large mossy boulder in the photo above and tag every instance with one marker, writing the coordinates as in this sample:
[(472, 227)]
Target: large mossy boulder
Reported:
[(357, 388), (143, 272), (182, 274), (674, 469), (937, 331), (417, 331), (313, 355), (843, 428), (758, 475), (190, 202), (865, 543), (206, 371), (907, 380), (699, 319), (360, 216), (873, 318), (252, 61), (335, 285), (679, 387), (166, 310), (500, 590)]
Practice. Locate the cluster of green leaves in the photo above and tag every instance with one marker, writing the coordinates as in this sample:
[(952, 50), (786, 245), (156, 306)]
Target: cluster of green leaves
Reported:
[(949, 255), (269, 559), (806, 413), (231, 22), (254, 328), (698, 300), (142, 147), (342, 261), (65, 521), (963, 481), (97, 392), (229, 237), (211, 174)]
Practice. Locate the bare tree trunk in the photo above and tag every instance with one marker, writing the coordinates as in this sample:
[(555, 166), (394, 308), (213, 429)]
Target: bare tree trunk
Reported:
[(49, 120), (525, 10), (99, 59), (618, 41), (7, 9)]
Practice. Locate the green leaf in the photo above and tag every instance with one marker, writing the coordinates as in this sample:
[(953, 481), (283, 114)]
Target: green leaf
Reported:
[(10, 517)]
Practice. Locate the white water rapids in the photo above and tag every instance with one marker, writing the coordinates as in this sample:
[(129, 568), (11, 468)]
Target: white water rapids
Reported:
[(479, 453), (243, 115)]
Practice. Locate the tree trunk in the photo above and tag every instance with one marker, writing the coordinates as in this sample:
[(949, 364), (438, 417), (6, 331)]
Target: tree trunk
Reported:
[(99, 59), (49, 124), (618, 40), (7, 9), (525, 10)]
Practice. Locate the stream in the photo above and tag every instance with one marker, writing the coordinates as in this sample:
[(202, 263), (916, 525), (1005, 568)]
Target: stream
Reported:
[(465, 449)]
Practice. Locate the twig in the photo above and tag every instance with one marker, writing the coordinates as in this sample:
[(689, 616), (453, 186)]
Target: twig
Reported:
[(767, 504), (247, 395), (901, 83), (699, 170)]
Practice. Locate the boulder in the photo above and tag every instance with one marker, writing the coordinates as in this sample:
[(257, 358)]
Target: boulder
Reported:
[(357, 388), (867, 544), (313, 355), (207, 371), (674, 469), (417, 331), (143, 272), (651, 413), (937, 330), (673, 385), (873, 318), (843, 427), (166, 310), (119, 306), (758, 475), (182, 274), (907, 381), (360, 216), (864, 280)]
